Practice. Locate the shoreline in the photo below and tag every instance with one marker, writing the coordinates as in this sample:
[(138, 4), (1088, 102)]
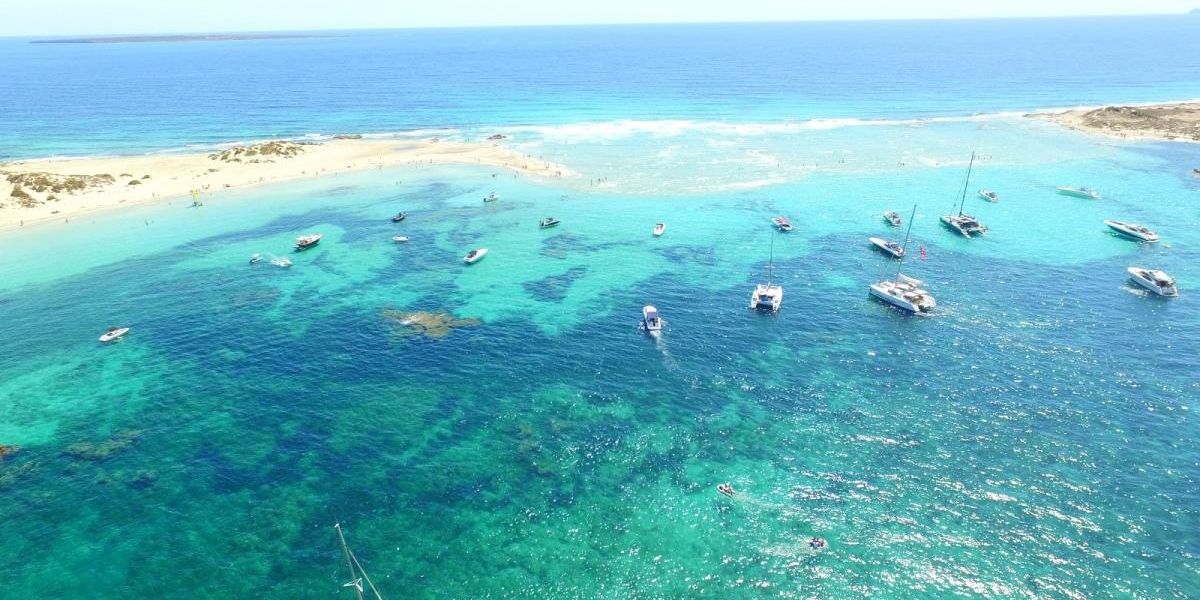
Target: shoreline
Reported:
[(1162, 122), (39, 191)]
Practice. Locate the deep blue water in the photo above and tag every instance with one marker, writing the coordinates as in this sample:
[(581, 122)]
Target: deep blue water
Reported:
[(64, 98)]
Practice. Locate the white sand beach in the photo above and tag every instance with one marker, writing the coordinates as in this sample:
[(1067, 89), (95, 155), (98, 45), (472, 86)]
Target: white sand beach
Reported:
[(59, 189), (1179, 121)]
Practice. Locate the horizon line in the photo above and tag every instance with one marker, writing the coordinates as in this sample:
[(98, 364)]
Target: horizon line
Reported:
[(610, 24)]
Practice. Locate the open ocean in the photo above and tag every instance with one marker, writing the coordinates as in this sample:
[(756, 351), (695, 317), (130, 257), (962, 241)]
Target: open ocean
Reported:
[(1036, 437)]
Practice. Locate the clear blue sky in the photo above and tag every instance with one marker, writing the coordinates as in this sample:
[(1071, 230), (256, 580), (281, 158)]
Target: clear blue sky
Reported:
[(71, 17)]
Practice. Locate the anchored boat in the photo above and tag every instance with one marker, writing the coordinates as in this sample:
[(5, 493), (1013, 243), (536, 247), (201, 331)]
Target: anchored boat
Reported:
[(1133, 230), (904, 292), (963, 223), (1154, 280)]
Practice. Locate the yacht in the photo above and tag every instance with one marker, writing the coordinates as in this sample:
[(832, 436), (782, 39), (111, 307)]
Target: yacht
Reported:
[(491, 197), (113, 334), (1133, 230), (400, 216), (255, 258), (892, 248), (1156, 281), (893, 217), (305, 242), (548, 222), (475, 256), (768, 296), (1079, 192), (782, 223), (904, 292), (989, 195), (659, 228), (963, 223), (399, 238), (651, 321)]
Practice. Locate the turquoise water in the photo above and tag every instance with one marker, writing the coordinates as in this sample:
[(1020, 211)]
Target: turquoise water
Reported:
[(1033, 438)]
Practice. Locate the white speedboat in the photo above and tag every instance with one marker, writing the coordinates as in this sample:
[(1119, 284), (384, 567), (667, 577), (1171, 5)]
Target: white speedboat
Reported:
[(491, 197), (548, 222), (1079, 192), (399, 238), (659, 228), (651, 321), (904, 292), (963, 223), (782, 223), (255, 258), (989, 195), (113, 334), (1154, 280), (1133, 230), (305, 242), (893, 217), (892, 248), (281, 262), (475, 256)]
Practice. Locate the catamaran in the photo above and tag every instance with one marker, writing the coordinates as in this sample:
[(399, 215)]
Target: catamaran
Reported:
[(1133, 230), (767, 296), (963, 223), (1079, 192), (357, 573), (904, 292)]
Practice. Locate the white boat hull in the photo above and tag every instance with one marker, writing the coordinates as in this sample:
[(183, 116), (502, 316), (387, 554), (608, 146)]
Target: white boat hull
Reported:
[(1146, 279), (660, 229), (882, 244), (651, 320), (114, 335), (767, 297), (1130, 229), (903, 296), (475, 257), (1079, 193)]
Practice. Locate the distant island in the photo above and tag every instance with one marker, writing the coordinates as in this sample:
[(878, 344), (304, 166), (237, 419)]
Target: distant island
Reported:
[(213, 37)]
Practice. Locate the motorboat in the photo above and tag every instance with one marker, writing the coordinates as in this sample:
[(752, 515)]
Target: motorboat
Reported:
[(400, 216), (725, 489), (491, 197), (281, 262), (399, 238), (905, 293), (892, 248), (305, 242), (963, 223), (113, 334), (782, 223), (1079, 192), (893, 218), (1154, 280), (255, 258), (1133, 230), (548, 222), (659, 228), (989, 195), (475, 256), (651, 321)]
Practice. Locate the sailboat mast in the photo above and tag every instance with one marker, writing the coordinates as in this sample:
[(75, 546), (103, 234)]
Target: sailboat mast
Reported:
[(349, 564), (771, 262), (904, 248), (966, 183)]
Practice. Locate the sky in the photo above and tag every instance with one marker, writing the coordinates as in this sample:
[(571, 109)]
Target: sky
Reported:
[(95, 17)]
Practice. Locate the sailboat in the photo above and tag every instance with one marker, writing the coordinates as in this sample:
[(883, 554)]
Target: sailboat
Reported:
[(962, 222), (767, 296), (904, 292), (357, 573)]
